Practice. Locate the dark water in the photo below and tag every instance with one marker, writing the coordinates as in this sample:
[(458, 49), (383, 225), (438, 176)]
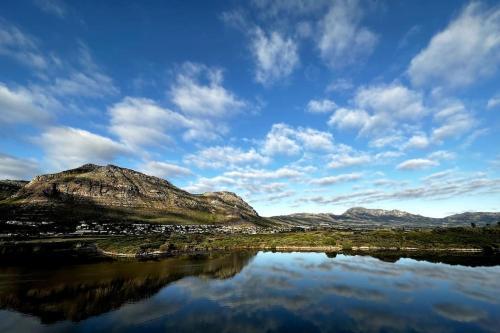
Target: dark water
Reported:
[(246, 292)]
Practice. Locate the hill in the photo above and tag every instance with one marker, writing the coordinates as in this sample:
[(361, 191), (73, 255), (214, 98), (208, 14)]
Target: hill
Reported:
[(363, 218), (10, 187), (114, 194)]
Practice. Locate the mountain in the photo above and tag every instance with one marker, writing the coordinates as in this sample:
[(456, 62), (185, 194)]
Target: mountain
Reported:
[(363, 218), (10, 187), (112, 193)]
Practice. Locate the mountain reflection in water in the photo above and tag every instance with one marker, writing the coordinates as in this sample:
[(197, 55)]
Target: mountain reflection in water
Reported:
[(244, 292)]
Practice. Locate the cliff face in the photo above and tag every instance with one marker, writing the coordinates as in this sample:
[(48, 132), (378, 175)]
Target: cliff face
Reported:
[(128, 193)]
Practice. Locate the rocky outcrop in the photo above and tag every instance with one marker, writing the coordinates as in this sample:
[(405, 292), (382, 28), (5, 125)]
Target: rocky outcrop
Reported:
[(10, 187), (129, 195)]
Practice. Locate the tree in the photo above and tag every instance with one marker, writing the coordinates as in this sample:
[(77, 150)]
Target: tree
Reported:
[(472, 224)]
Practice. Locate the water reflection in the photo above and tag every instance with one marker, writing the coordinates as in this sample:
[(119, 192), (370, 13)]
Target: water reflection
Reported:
[(240, 292)]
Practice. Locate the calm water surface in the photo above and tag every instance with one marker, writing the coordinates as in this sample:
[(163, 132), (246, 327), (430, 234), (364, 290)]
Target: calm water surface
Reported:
[(247, 292)]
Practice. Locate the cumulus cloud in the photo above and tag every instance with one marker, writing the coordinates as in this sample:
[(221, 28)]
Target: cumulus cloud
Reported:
[(345, 118), (417, 164), (164, 170), (286, 140), (17, 168), (342, 39), (198, 91), (345, 156), (68, 147), (140, 121), (325, 181), (419, 141), (493, 102), (280, 141), (466, 50), (252, 182), (380, 108), (225, 157), (276, 56), (21, 105), (321, 106)]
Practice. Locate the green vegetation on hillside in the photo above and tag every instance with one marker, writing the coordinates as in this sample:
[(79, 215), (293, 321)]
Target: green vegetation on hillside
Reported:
[(451, 238)]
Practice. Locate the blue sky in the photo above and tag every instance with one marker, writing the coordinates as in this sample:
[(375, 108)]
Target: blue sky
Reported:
[(297, 106)]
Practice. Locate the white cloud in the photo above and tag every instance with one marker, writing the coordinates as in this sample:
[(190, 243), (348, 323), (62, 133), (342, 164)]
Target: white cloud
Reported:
[(455, 121), (54, 7), (493, 102), (314, 140), (417, 164), (393, 100), (164, 170), (92, 84), (198, 91), (68, 147), (140, 121), (342, 39), (321, 106), (419, 141), (438, 176), (218, 183), (443, 188), (388, 140), (380, 108), (346, 160), (16, 168), (339, 85), (262, 174), (337, 179), (468, 49), (20, 46), (225, 157), (275, 55), (349, 118), (22, 105), (286, 140), (440, 155), (280, 141)]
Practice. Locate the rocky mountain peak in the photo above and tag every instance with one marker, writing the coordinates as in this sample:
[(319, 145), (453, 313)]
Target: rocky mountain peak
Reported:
[(116, 188), (375, 212)]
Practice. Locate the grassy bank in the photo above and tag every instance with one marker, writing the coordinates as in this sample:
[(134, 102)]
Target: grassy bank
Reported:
[(452, 239)]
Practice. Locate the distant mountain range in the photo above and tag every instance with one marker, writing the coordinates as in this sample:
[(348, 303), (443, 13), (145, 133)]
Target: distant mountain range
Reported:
[(115, 194), (363, 218)]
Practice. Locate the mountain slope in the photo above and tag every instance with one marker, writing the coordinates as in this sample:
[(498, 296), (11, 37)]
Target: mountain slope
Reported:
[(364, 218), (10, 187), (111, 193)]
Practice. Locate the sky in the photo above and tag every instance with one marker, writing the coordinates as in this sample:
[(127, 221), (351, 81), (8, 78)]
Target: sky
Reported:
[(295, 105)]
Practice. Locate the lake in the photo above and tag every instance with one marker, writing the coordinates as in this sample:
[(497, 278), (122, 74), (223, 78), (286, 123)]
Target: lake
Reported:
[(253, 292)]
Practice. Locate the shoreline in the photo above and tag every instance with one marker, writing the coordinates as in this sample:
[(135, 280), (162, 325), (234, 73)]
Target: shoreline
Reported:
[(453, 241), (285, 249)]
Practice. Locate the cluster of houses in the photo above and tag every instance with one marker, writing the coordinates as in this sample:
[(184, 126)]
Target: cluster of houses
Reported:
[(88, 228), (136, 229)]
